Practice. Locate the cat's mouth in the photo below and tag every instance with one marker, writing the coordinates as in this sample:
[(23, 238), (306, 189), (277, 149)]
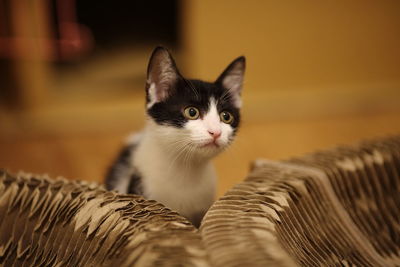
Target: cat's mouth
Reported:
[(211, 144)]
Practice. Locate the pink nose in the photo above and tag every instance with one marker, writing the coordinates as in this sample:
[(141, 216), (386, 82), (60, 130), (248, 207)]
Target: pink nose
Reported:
[(215, 134)]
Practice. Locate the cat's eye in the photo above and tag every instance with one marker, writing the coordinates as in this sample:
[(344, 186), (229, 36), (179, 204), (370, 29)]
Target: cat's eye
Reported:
[(191, 113), (226, 117)]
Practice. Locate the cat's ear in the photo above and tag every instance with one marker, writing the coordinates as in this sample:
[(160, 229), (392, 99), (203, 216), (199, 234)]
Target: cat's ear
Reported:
[(162, 75), (232, 79)]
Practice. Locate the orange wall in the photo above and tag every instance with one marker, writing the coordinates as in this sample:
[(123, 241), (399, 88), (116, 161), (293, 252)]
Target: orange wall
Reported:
[(295, 44)]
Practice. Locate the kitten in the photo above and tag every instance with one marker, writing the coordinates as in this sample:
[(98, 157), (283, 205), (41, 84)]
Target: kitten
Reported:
[(189, 122)]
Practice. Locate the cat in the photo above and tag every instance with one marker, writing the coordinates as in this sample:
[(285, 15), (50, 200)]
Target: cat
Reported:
[(189, 122)]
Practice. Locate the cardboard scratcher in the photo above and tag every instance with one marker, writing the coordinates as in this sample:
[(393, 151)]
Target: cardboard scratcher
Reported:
[(46, 222), (339, 208)]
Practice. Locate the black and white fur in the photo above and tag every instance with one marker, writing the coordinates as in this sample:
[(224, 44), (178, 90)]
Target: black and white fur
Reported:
[(169, 161)]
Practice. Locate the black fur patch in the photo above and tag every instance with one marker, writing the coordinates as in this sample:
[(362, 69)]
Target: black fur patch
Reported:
[(122, 168), (192, 93), (135, 185)]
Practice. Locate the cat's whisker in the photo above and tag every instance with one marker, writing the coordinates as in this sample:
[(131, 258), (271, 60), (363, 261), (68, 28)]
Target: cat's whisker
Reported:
[(176, 145), (191, 86), (224, 95), (179, 152), (190, 155), (161, 133), (175, 159)]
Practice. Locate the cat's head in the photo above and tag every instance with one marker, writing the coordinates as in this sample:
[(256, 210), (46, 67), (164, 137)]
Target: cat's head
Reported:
[(198, 117)]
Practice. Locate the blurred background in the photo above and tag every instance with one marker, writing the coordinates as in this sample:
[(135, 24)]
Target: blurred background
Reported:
[(72, 76)]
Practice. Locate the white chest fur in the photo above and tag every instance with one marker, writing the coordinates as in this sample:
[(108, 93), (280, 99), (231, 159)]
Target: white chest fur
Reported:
[(184, 186)]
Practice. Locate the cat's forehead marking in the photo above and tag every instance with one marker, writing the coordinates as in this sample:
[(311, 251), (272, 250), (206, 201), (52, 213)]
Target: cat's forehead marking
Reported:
[(212, 110), (211, 119)]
